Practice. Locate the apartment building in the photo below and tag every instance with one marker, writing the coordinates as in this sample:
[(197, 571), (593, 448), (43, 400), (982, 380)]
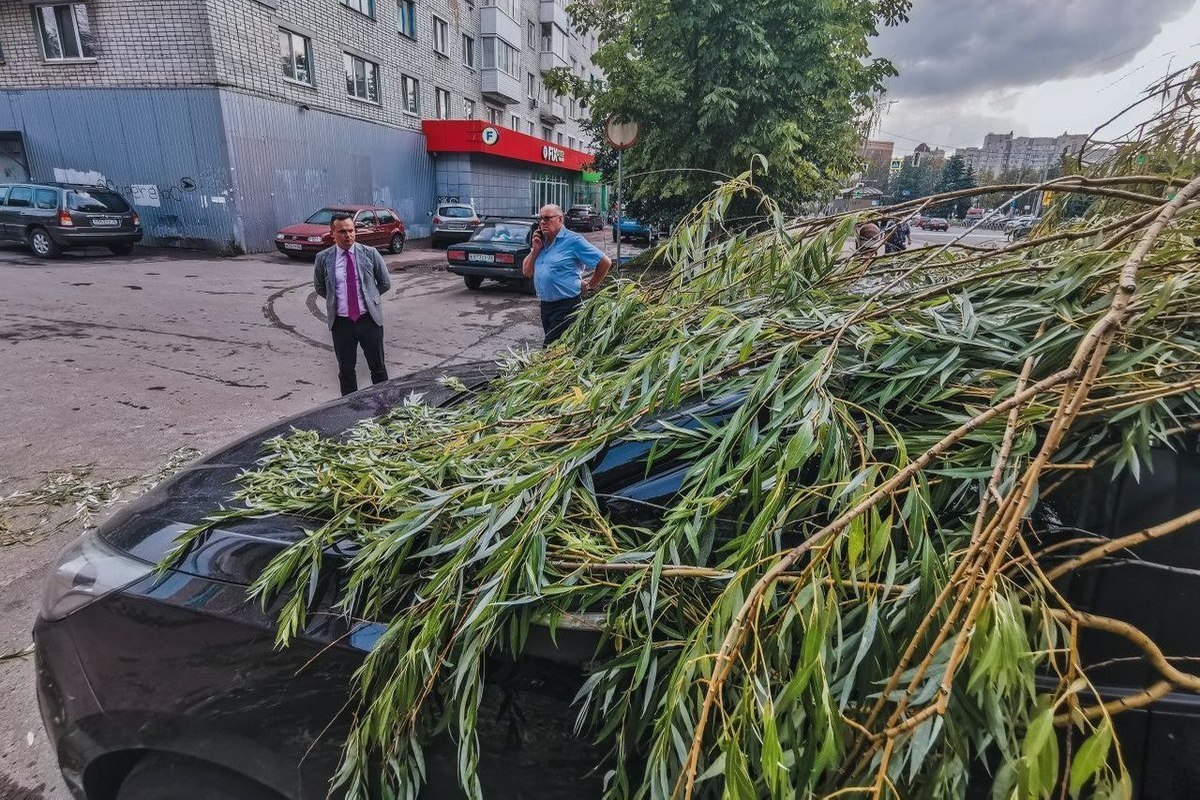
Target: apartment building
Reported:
[(1003, 152), (223, 120)]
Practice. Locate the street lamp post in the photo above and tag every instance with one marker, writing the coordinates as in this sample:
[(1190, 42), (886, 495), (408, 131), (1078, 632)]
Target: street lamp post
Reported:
[(621, 135)]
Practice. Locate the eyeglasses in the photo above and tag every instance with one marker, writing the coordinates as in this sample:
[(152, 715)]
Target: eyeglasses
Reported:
[(547, 218)]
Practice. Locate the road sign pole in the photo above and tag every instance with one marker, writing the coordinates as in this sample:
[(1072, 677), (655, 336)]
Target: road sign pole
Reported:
[(620, 211)]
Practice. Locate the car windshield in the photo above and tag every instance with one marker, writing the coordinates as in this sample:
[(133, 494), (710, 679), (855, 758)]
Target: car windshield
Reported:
[(502, 232), (458, 212), (325, 216), (96, 200)]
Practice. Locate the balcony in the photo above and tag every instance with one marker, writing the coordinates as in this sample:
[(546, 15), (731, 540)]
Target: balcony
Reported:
[(551, 60), (553, 112), (495, 21), (554, 12), (500, 87)]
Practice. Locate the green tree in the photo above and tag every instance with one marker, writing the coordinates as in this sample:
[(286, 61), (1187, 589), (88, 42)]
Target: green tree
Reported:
[(712, 86), (956, 176), (914, 181)]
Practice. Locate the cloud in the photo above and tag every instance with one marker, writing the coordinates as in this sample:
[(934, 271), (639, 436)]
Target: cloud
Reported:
[(955, 48)]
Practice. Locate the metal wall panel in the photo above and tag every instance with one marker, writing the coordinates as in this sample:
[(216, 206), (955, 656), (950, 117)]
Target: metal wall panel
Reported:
[(287, 162), (161, 148)]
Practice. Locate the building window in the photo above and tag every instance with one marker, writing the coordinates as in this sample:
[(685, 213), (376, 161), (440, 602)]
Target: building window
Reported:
[(514, 122), (548, 134), (295, 52), (571, 142), (495, 115), (531, 85), (468, 52), (499, 54), (362, 78), (509, 7), (361, 6), (410, 93), (64, 31), (529, 127), (531, 35), (406, 16), (441, 99), (441, 37), (560, 137), (468, 109)]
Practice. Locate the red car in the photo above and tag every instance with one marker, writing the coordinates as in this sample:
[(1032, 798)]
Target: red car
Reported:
[(377, 226)]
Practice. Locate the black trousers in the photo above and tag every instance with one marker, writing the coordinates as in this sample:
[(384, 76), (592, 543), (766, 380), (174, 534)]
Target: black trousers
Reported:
[(557, 316), (347, 337)]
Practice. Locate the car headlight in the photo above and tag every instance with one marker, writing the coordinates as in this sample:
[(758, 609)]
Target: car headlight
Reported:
[(86, 571), (314, 239), (279, 236)]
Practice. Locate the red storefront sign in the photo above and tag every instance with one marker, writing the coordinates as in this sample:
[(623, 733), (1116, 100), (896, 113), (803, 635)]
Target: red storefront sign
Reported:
[(477, 136)]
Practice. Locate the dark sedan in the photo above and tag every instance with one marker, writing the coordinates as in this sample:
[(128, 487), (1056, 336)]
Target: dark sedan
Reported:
[(584, 218), (936, 224), (171, 686), (494, 252)]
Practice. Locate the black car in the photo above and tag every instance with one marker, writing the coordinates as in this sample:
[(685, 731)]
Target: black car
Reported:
[(149, 683), (52, 217), (936, 224), (494, 251), (584, 218), (170, 686)]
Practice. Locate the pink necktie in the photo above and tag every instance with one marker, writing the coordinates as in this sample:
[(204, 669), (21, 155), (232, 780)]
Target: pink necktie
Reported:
[(352, 307)]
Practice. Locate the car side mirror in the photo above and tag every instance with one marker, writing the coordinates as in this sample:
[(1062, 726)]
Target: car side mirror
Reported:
[(360, 225), (429, 213)]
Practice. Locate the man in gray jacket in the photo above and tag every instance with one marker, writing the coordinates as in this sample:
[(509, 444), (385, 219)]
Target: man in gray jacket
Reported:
[(351, 277)]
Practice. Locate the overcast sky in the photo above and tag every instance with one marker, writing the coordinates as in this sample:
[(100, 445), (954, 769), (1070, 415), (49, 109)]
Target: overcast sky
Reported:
[(1033, 67)]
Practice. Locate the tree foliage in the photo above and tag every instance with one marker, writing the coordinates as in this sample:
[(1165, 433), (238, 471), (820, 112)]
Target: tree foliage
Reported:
[(848, 593), (711, 86), (956, 176)]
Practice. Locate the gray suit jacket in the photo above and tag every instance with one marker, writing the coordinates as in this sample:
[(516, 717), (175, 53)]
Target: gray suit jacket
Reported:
[(372, 277)]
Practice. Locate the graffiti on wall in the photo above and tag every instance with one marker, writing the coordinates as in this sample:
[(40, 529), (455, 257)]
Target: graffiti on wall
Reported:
[(145, 195)]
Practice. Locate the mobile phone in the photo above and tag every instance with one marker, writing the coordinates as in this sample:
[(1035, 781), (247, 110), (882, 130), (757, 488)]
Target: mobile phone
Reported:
[(537, 236)]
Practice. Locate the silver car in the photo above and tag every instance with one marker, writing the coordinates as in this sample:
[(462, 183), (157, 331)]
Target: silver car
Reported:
[(453, 222)]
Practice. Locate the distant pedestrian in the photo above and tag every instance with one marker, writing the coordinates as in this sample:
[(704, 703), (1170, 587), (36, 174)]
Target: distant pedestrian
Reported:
[(351, 277), (897, 236), (556, 261)]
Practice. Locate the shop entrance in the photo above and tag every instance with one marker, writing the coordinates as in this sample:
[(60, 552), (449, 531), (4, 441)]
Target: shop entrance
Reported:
[(14, 166), (550, 188)]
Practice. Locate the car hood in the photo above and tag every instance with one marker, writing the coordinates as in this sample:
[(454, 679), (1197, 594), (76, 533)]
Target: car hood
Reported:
[(305, 229), (630, 482), (237, 550)]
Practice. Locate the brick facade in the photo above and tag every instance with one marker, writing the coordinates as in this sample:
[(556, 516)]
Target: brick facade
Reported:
[(235, 44)]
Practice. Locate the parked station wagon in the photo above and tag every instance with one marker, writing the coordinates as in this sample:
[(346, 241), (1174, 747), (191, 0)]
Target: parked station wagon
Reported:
[(52, 217)]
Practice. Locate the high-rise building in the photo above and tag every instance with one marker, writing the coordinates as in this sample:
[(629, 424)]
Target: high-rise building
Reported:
[(1002, 152), (224, 120)]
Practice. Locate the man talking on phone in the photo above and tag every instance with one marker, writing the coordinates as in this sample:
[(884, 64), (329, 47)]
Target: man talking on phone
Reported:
[(556, 262)]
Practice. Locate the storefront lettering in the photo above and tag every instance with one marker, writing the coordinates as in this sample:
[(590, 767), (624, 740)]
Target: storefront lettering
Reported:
[(553, 154)]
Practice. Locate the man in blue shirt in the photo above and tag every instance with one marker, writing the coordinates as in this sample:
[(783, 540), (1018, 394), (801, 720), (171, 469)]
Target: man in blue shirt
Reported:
[(556, 261)]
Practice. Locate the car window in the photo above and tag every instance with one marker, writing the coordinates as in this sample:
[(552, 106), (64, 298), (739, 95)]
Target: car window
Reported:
[(366, 218), (457, 212), (46, 199), (96, 201), (385, 217), (3, 194), (20, 197), (324, 216), (502, 232)]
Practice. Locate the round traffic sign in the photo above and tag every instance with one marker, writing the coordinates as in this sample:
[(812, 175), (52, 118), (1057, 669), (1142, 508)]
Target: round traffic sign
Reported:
[(490, 136), (620, 133)]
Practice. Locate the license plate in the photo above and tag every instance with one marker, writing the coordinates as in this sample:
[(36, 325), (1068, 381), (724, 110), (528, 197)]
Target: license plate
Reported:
[(290, 246), (106, 222), (485, 257), (457, 226)]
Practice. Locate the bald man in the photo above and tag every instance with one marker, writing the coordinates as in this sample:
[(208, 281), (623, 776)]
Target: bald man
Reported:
[(556, 261)]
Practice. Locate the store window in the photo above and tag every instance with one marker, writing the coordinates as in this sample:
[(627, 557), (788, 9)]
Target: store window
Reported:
[(550, 188)]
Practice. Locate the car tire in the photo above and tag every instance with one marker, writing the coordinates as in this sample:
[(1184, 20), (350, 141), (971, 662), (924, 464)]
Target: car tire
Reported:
[(163, 777), (42, 245), (120, 249), (397, 244), (473, 282)]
